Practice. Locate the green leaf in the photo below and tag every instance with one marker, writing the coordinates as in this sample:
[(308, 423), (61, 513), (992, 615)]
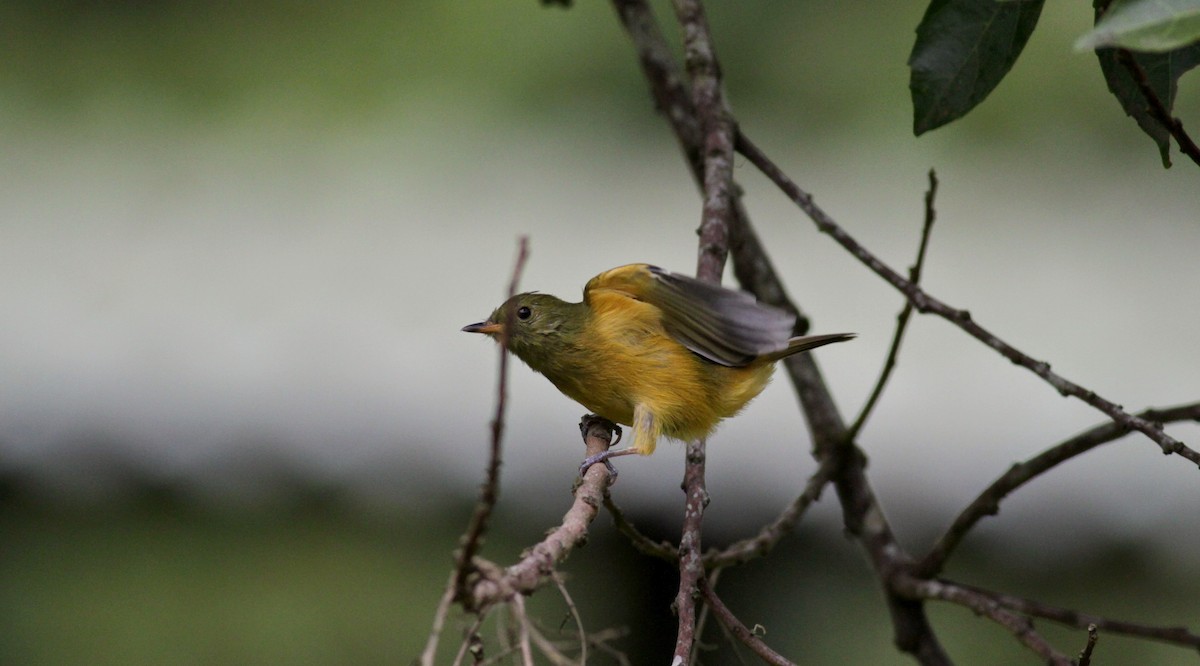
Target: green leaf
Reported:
[(963, 49), (1145, 25), (1162, 74)]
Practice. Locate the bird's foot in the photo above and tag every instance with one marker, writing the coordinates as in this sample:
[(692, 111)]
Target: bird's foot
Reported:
[(586, 422), (603, 457), (614, 437)]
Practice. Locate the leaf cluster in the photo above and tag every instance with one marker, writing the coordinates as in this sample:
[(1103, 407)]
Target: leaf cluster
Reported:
[(964, 48)]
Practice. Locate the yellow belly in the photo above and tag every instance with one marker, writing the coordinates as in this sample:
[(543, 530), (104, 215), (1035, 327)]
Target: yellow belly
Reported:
[(631, 362)]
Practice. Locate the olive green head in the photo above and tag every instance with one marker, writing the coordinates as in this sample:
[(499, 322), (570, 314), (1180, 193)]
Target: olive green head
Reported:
[(539, 326)]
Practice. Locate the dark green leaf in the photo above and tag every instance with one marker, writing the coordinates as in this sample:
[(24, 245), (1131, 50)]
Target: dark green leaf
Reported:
[(963, 49), (1162, 74)]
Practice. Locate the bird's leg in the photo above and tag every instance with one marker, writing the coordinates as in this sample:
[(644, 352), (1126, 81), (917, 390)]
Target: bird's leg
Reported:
[(646, 430), (585, 425)]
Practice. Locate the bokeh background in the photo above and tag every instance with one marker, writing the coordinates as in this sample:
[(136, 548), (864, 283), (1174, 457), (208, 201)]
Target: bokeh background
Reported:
[(239, 424)]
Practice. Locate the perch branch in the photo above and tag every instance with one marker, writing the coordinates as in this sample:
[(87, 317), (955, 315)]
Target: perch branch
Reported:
[(863, 516), (538, 561), (717, 135)]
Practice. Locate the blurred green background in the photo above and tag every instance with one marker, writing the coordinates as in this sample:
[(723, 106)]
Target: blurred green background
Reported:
[(238, 423)]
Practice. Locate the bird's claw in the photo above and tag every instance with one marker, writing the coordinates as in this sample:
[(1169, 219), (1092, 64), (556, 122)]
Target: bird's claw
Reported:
[(602, 457)]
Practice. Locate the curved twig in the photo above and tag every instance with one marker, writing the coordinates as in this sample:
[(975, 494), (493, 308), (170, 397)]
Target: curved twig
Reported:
[(759, 545), (988, 502), (914, 275), (982, 604), (925, 303), (1179, 636)]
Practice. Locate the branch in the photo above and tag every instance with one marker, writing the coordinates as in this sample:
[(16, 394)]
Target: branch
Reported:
[(537, 564), (862, 514), (926, 303), (982, 604), (663, 550), (758, 546), (988, 502), (914, 275), (717, 134), (1071, 618)]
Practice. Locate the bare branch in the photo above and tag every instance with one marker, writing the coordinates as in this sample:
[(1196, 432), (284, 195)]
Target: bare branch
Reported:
[(914, 275), (643, 544), (538, 561), (988, 502), (716, 127), (926, 303), (1072, 618), (1020, 627), (758, 546), (862, 514)]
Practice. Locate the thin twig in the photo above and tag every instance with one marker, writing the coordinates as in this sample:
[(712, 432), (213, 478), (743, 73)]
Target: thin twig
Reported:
[(600, 641), (1179, 636), (713, 578), (745, 550), (1157, 107), (549, 649), (516, 606), (439, 621), (663, 550), (982, 604), (472, 539), (574, 610), (471, 643), (739, 630), (1085, 655), (925, 303), (914, 275), (988, 502)]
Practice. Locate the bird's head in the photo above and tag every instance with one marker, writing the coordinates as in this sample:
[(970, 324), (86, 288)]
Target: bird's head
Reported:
[(538, 326)]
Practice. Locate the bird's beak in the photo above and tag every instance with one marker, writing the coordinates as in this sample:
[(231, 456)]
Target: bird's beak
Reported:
[(486, 327)]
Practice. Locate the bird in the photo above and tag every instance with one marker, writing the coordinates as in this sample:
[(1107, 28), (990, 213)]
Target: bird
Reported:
[(662, 352)]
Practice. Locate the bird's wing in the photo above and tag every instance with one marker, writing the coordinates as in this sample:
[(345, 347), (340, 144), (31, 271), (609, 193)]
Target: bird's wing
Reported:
[(722, 325)]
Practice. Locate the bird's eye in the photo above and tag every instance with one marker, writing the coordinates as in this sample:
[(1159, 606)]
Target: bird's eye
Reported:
[(523, 312)]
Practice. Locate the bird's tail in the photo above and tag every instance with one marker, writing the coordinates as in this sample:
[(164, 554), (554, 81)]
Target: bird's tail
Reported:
[(803, 344)]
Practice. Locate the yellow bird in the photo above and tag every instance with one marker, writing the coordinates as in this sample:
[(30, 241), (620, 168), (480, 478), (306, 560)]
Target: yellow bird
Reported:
[(662, 352)]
